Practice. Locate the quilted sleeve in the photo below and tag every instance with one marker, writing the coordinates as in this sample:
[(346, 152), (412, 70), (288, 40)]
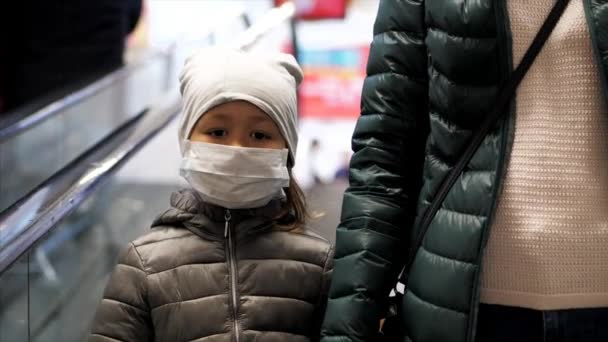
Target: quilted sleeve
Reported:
[(124, 313), (385, 174)]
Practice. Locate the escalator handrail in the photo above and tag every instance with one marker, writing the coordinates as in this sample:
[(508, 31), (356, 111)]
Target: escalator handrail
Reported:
[(46, 206), (20, 122)]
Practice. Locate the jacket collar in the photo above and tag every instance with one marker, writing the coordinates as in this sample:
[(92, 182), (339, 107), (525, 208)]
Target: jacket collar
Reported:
[(188, 210)]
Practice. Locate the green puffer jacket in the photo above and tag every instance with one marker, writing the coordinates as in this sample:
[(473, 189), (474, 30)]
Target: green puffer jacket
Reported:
[(433, 73)]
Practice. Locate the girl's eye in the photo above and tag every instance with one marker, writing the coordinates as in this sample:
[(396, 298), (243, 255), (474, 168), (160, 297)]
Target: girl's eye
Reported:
[(218, 133), (260, 136)]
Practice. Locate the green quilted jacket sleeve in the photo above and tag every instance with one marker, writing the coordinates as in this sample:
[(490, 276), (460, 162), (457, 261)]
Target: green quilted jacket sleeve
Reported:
[(385, 174)]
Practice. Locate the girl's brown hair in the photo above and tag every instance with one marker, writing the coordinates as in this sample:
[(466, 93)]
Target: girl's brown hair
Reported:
[(294, 214)]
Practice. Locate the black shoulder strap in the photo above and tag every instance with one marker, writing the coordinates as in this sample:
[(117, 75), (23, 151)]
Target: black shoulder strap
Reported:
[(490, 121)]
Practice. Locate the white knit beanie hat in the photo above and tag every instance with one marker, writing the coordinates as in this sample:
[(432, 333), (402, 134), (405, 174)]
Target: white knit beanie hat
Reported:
[(213, 76)]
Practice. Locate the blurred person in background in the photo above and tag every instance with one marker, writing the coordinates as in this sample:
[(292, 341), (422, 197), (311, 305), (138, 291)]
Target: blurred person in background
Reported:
[(518, 250), (232, 259), (315, 169), (315, 154), (48, 45), (343, 169)]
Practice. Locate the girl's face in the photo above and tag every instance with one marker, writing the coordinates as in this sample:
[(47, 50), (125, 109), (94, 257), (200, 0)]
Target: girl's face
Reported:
[(238, 123)]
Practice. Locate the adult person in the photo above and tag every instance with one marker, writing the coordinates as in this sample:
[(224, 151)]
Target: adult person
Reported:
[(517, 251)]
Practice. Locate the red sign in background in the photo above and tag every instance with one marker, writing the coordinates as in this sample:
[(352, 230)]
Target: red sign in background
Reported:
[(333, 80)]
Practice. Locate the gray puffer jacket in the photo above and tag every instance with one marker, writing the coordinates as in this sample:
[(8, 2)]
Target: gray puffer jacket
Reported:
[(208, 274)]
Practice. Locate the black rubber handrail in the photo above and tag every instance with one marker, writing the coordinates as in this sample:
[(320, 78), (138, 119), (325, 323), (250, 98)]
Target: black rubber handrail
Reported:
[(20, 120), (29, 219)]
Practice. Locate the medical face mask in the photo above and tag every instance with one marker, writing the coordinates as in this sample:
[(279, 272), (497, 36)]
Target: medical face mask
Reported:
[(235, 177)]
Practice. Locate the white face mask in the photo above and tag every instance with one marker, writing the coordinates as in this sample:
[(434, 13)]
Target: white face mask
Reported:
[(235, 177)]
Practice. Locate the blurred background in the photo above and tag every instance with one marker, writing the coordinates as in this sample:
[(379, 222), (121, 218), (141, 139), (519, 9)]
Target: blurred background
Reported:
[(88, 141)]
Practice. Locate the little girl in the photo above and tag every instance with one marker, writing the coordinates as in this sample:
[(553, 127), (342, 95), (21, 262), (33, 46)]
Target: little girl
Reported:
[(231, 259)]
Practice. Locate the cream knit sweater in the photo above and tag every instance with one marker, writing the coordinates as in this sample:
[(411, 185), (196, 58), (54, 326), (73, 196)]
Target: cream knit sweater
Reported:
[(548, 247)]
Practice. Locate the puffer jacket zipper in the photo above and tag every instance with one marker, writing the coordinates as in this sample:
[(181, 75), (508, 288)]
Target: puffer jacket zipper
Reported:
[(232, 268)]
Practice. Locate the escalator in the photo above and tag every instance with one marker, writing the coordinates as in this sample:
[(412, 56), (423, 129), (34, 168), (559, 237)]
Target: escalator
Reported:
[(78, 182), (33, 146)]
